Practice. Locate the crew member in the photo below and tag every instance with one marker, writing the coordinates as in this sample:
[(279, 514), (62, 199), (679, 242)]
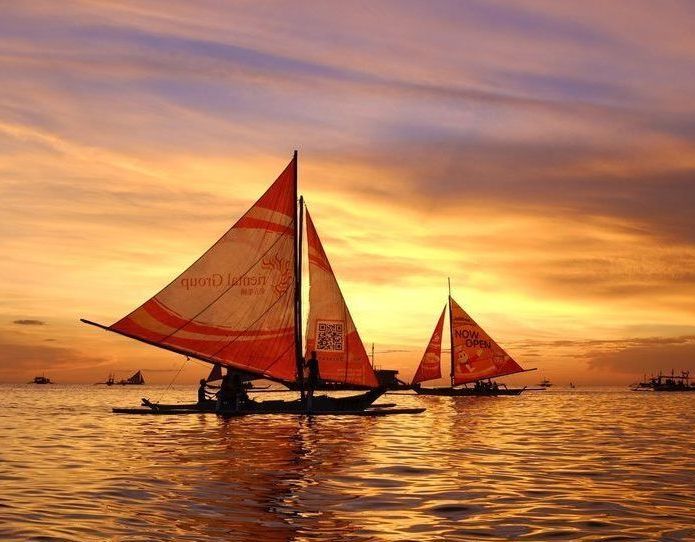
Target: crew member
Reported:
[(312, 364)]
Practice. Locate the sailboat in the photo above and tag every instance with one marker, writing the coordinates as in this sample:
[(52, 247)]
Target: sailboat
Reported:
[(239, 306), (136, 380), (110, 381), (475, 358)]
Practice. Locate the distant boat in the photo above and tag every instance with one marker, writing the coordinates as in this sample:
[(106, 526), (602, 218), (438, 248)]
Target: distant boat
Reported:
[(136, 380), (475, 358), (572, 386), (545, 383), (666, 383), (110, 381), (239, 306), (41, 380)]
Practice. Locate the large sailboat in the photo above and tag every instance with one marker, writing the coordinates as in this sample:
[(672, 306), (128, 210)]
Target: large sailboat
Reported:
[(239, 306), (475, 359)]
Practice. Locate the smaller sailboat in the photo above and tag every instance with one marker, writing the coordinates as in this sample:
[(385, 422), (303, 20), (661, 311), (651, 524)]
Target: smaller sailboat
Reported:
[(41, 380), (136, 380), (545, 383), (475, 359)]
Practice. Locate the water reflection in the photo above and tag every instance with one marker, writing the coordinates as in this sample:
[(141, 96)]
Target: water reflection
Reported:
[(564, 465)]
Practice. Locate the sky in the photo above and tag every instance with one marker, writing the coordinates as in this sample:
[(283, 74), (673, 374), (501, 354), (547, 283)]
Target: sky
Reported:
[(539, 153)]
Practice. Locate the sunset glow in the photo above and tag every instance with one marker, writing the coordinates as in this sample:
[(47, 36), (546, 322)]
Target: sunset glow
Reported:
[(540, 154)]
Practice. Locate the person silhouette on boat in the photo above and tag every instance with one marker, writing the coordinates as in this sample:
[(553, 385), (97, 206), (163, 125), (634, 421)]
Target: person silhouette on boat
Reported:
[(229, 394), (313, 377), (232, 395), (202, 392), (225, 393)]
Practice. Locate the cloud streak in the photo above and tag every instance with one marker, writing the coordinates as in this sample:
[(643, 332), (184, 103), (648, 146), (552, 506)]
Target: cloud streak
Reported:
[(541, 154), (29, 322)]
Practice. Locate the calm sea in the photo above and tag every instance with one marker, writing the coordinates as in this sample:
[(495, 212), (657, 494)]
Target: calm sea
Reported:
[(592, 464)]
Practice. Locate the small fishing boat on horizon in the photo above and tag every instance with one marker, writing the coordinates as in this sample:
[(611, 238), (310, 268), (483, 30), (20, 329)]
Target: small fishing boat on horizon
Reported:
[(41, 380), (475, 359), (666, 383), (545, 383), (239, 306)]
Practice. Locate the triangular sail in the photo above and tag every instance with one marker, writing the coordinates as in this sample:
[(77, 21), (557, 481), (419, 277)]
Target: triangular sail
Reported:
[(137, 378), (475, 355), (235, 305), (430, 367), (215, 373), (330, 329)]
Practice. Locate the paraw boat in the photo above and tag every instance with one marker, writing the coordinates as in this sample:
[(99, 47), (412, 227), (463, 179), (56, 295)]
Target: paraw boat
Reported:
[(239, 306), (475, 359)]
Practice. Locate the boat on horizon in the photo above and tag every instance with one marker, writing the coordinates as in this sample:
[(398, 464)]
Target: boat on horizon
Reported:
[(545, 383), (239, 306), (136, 380), (475, 359), (666, 383), (41, 380)]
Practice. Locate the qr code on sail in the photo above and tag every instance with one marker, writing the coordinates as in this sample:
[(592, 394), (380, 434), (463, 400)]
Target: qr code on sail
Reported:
[(330, 336)]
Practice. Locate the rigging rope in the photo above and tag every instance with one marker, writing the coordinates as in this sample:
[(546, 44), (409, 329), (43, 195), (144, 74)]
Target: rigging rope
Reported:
[(173, 379)]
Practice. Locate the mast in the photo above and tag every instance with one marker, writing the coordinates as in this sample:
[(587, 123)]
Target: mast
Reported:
[(298, 284), (451, 335)]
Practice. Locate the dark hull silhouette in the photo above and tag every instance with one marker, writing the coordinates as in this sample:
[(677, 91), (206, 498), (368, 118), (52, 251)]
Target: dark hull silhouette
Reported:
[(321, 405), (665, 383), (387, 378), (467, 392)]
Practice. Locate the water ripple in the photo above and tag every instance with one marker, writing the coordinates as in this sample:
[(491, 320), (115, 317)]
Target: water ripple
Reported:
[(566, 465)]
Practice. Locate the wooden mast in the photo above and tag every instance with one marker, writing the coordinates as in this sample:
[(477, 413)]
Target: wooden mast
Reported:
[(299, 220), (451, 336)]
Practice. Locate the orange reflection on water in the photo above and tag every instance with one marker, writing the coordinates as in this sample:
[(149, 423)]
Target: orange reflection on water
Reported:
[(566, 464)]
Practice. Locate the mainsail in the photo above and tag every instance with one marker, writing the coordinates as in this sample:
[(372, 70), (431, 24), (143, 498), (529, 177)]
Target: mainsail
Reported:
[(475, 355), (330, 329), (235, 305), (430, 365)]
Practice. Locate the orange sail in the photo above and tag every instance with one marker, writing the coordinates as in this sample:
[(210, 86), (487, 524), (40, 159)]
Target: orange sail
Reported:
[(475, 355), (236, 304), (430, 366), (330, 329)]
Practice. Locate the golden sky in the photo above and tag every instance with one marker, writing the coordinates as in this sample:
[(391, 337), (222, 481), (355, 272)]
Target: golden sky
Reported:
[(541, 154)]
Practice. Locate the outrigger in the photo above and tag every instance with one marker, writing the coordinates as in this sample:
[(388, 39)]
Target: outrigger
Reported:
[(239, 306), (475, 359)]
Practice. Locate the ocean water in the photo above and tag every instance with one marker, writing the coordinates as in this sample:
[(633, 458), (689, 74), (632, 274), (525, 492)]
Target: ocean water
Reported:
[(584, 464)]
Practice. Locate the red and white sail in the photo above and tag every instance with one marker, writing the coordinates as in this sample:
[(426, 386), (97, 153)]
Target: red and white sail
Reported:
[(235, 304), (475, 354), (330, 329), (430, 367)]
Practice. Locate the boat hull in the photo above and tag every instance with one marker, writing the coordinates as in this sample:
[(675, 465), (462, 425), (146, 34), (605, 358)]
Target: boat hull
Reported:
[(370, 412), (320, 404), (467, 392)]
